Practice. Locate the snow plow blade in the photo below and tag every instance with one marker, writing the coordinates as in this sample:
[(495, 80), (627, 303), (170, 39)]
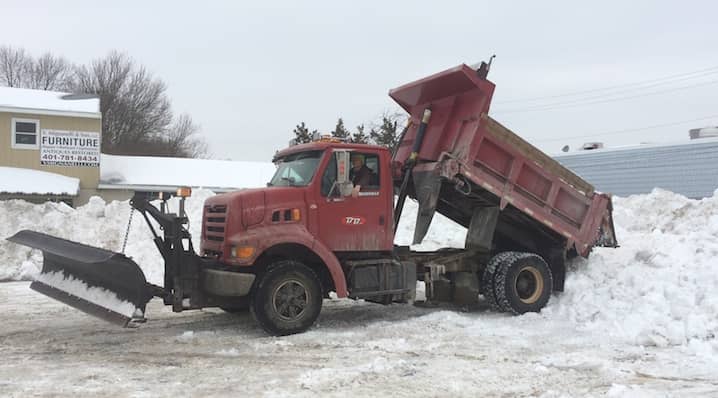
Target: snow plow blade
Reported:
[(102, 283)]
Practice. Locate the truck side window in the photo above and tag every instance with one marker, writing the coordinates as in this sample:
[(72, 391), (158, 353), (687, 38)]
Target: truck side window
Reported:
[(365, 171), (329, 177)]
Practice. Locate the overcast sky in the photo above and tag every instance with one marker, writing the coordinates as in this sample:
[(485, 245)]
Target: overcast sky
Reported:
[(248, 72)]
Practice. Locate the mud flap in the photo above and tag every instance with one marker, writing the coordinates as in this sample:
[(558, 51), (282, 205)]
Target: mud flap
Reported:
[(427, 185), (102, 283), (607, 232)]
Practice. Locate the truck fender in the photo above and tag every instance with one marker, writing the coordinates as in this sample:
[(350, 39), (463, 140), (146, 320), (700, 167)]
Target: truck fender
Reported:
[(335, 269), (300, 236)]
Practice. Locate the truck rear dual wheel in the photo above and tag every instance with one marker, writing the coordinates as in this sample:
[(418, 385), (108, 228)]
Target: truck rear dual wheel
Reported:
[(522, 282), (488, 279), (287, 299)]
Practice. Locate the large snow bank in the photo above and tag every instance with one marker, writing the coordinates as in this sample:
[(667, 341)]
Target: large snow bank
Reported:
[(29, 181), (96, 223), (658, 288)]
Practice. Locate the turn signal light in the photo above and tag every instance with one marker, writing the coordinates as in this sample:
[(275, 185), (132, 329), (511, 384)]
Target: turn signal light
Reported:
[(296, 215), (184, 192), (242, 251)]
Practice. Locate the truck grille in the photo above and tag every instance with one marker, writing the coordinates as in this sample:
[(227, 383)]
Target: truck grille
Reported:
[(215, 222)]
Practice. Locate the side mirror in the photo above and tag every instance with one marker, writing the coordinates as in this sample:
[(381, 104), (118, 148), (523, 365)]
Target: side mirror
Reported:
[(343, 166)]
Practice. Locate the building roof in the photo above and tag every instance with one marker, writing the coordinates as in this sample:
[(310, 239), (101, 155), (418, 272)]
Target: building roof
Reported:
[(158, 173), (28, 181), (41, 102), (688, 168)]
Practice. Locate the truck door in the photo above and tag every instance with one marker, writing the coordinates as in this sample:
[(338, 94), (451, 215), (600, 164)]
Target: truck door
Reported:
[(360, 221)]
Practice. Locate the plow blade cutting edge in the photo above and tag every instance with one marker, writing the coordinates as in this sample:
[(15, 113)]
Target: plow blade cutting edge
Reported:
[(99, 282)]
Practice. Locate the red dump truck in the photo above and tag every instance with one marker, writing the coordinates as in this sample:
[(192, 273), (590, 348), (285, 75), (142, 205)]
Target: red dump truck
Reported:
[(317, 227)]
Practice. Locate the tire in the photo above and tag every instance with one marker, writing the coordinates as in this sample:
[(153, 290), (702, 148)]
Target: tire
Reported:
[(288, 298), (523, 283), (488, 280)]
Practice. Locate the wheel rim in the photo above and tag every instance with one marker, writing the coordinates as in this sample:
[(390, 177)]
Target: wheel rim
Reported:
[(290, 299), (529, 285)]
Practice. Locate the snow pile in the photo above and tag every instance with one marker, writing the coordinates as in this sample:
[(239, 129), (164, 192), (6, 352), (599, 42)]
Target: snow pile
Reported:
[(28, 181), (95, 295), (97, 224), (658, 288)]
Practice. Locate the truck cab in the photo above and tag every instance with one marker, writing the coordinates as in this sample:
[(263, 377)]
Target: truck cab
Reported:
[(312, 214)]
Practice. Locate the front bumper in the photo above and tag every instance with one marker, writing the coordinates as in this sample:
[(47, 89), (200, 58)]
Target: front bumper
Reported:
[(227, 284)]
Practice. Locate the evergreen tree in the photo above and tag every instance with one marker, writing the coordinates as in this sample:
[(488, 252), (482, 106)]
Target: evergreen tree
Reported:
[(387, 134), (302, 134), (340, 131), (360, 137)]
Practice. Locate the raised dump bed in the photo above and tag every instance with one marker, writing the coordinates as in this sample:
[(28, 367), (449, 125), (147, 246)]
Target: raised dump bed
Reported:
[(469, 166)]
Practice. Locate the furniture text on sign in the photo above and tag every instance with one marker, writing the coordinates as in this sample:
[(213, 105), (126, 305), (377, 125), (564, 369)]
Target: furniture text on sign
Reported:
[(70, 148)]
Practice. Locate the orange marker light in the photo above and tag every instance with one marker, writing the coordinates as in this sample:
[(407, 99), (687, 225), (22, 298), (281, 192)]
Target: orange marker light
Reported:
[(184, 192), (296, 215), (242, 251)]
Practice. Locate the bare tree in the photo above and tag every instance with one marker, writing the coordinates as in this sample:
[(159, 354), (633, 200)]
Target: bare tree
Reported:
[(134, 105), (136, 112), (15, 66), (49, 72), (184, 140)]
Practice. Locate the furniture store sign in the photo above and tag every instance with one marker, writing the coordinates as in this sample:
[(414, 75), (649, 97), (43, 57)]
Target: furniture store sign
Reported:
[(70, 148)]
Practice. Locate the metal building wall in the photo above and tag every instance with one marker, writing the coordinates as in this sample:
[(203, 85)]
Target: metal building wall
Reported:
[(690, 169)]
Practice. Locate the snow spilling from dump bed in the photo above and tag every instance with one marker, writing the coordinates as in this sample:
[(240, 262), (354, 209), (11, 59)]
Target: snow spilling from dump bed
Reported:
[(658, 288), (95, 295)]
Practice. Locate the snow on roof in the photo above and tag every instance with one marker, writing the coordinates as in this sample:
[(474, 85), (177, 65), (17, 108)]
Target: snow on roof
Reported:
[(130, 172), (647, 146), (23, 100), (28, 181)]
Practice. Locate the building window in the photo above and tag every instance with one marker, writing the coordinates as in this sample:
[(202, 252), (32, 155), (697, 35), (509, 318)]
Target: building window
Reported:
[(25, 134)]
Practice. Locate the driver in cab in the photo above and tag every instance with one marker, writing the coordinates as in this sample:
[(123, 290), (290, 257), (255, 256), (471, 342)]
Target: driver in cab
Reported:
[(360, 174)]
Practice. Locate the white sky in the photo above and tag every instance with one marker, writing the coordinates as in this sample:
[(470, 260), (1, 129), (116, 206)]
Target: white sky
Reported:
[(248, 72)]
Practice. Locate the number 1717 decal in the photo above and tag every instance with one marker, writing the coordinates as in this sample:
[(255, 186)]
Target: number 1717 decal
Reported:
[(354, 220)]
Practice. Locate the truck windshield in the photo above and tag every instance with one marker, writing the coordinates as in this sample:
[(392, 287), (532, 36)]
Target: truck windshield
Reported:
[(296, 169)]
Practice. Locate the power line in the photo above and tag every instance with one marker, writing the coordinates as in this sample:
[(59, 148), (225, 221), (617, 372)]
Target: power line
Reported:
[(617, 92), (681, 76), (577, 103), (615, 132)]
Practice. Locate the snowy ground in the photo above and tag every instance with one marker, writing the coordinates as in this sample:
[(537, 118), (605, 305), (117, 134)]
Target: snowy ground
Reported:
[(637, 321)]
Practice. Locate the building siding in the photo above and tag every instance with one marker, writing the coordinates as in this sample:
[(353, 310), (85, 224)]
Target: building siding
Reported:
[(690, 169), (30, 158)]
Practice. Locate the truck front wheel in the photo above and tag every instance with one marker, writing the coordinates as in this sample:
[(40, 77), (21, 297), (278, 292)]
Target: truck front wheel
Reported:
[(288, 298), (523, 283)]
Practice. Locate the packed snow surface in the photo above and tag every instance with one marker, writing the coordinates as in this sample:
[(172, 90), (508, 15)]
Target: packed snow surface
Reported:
[(102, 297), (29, 181), (177, 172), (46, 100), (636, 321)]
